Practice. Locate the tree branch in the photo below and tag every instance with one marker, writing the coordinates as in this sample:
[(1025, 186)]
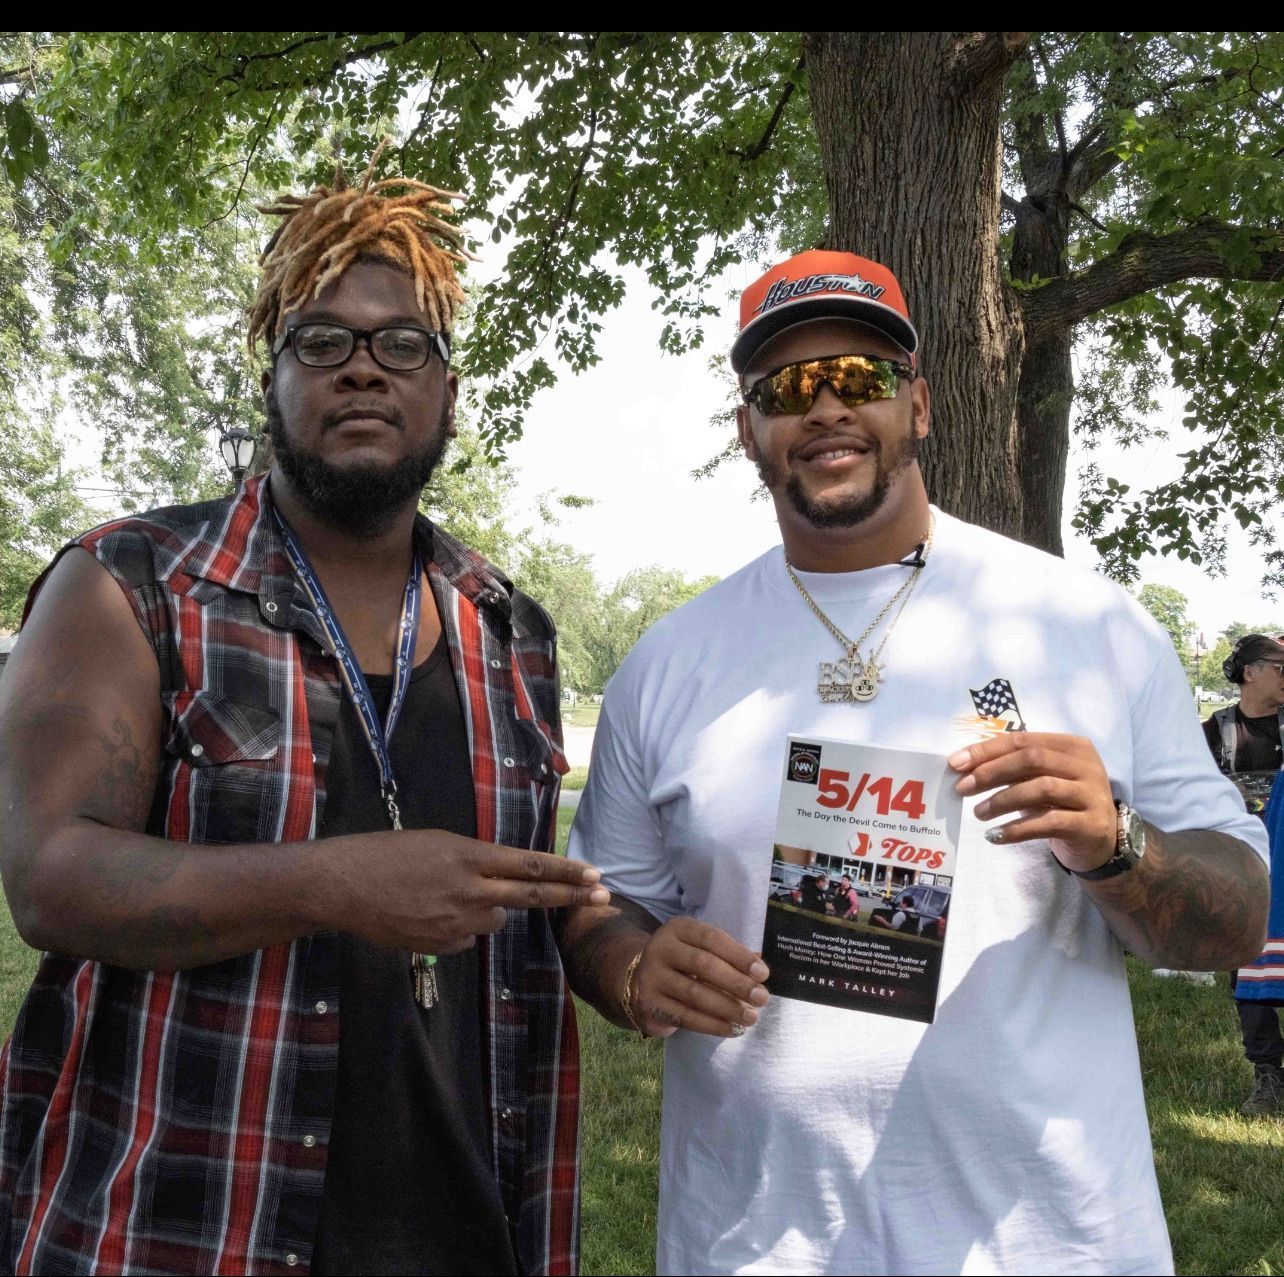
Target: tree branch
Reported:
[(322, 77), (1145, 262), (1093, 156), (748, 157), (1088, 217), (978, 54), (243, 60), (1030, 130), (1057, 118)]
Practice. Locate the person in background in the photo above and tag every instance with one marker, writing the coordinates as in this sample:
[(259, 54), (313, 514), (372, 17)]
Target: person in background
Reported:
[(1245, 738)]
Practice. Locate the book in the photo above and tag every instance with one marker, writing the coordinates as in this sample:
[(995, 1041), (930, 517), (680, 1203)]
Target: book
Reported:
[(862, 877)]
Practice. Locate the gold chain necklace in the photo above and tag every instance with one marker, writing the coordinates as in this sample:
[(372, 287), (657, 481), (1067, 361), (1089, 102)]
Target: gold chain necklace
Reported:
[(855, 678)]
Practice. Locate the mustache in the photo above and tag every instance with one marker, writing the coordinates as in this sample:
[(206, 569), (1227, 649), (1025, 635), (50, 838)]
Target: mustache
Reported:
[(380, 411)]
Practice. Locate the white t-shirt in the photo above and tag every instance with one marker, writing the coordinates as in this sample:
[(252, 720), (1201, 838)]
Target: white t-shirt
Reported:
[(1009, 1136)]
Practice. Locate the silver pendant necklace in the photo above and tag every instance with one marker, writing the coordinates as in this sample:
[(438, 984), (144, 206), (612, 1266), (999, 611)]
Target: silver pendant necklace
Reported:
[(854, 677)]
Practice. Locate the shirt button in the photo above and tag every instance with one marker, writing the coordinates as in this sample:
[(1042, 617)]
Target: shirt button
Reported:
[(508, 762), (505, 995), (543, 769), (495, 662), (271, 610), (292, 1259), (506, 1115), (314, 758), (322, 1008), (309, 1141), (197, 750)]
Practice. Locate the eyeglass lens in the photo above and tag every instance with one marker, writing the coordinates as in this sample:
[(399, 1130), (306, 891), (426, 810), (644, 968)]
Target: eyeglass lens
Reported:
[(328, 345)]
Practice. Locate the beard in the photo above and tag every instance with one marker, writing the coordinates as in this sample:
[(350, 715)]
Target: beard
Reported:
[(361, 500), (845, 512)]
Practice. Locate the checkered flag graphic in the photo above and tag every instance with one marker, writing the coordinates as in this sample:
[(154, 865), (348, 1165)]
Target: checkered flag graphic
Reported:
[(996, 698)]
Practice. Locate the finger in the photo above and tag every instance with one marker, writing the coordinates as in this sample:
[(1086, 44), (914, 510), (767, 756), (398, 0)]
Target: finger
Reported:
[(1023, 764), (972, 756), (702, 998), (1068, 827), (470, 925), (1043, 793), (702, 935), (670, 1014), (525, 894), (708, 968), (455, 946), (531, 866)]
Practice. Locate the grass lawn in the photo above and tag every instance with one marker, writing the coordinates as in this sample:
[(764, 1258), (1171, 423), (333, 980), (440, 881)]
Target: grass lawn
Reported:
[(1222, 1175), (576, 778), (585, 714)]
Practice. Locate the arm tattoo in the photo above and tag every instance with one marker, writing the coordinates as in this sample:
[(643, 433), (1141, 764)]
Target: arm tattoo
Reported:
[(1197, 902), (122, 792)]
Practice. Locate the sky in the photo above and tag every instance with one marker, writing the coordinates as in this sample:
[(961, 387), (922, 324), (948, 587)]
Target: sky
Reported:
[(629, 432)]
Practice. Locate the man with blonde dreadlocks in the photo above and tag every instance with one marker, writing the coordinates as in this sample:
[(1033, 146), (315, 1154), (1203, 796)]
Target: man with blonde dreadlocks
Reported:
[(279, 775)]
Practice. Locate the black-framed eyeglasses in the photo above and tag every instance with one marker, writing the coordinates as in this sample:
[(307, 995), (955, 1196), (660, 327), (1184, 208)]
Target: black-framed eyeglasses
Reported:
[(399, 347), (855, 379)]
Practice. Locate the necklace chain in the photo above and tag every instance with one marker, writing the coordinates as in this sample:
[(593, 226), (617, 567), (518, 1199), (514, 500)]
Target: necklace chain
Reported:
[(902, 596)]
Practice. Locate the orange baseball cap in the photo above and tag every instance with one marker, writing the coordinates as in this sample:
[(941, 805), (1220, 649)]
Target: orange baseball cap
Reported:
[(821, 284)]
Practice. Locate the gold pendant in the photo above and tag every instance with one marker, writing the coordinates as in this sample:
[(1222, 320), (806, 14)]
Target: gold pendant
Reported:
[(835, 681), (850, 679), (865, 688)]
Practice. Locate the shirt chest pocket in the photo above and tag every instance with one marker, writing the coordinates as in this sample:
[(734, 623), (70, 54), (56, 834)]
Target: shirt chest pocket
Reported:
[(208, 729), (227, 782)]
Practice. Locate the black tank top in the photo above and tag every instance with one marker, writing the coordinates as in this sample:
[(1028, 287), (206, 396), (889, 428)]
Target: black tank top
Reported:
[(410, 1183)]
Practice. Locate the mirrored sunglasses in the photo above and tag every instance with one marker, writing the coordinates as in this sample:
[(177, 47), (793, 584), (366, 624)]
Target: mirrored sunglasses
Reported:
[(855, 379)]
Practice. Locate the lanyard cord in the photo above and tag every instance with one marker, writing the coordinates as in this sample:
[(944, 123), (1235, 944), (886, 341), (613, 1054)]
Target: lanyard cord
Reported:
[(377, 734)]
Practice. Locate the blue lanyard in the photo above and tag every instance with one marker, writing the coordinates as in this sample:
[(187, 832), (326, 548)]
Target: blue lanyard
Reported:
[(377, 734)]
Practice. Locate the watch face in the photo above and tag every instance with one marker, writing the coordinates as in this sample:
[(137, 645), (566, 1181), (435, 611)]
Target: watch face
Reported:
[(1132, 833)]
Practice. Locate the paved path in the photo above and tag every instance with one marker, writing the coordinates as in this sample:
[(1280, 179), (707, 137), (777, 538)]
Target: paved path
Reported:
[(579, 745), (579, 749)]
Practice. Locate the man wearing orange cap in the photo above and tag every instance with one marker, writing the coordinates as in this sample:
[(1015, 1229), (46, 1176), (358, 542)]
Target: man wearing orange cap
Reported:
[(1008, 1133)]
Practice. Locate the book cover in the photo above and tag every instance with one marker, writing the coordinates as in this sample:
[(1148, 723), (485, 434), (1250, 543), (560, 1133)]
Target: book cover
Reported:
[(862, 876)]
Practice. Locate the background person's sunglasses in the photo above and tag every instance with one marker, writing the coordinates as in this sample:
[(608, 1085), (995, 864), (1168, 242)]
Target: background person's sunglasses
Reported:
[(855, 379)]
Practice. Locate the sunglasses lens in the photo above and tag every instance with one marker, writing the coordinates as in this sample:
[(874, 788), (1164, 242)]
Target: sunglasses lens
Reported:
[(855, 379)]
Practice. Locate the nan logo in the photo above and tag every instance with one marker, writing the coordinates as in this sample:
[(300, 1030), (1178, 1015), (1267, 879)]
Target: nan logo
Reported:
[(804, 763)]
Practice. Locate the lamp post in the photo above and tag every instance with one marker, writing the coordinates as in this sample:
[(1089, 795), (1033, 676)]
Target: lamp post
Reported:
[(237, 446)]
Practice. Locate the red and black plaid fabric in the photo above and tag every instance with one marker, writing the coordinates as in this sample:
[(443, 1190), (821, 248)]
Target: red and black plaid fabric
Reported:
[(178, 1122)]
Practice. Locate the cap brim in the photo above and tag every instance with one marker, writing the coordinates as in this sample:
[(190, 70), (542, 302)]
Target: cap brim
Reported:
[(863, 310)]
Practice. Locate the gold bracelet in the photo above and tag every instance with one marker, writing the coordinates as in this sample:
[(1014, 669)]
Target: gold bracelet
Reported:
[(627, 1000)]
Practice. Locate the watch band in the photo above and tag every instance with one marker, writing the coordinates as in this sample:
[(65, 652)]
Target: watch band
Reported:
[(1130, 846)]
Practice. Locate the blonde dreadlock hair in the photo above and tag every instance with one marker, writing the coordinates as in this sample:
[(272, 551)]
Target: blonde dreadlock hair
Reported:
[(321, 234)]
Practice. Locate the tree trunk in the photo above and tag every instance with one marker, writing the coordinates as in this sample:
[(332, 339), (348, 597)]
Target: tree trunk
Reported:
[(909, 129), (1046, 383)]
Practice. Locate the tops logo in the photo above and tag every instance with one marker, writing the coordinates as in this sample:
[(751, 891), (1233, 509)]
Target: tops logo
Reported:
[(786, 290), (804, 763)]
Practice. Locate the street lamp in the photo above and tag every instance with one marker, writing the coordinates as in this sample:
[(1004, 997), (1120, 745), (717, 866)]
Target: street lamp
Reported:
[(238, 446)]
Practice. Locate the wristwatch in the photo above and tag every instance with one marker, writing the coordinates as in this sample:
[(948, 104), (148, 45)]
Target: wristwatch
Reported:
[(1130, 846)]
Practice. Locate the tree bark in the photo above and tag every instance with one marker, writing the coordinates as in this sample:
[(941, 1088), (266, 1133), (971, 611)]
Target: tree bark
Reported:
[(909, 129)]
